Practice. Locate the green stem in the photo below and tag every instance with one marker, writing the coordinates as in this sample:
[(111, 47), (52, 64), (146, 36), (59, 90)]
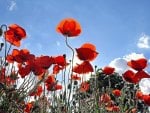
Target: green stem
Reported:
[(71, 67)]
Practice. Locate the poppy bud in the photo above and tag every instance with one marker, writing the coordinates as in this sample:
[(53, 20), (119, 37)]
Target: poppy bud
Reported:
[(75, 82), (64, 55), (1, 31), (1, 46), (69, 86)]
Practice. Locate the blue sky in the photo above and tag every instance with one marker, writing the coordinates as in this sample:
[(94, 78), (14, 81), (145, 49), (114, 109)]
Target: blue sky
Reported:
[(116, 27)]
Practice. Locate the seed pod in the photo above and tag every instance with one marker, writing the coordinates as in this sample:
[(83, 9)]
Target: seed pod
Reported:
[(1, 31)]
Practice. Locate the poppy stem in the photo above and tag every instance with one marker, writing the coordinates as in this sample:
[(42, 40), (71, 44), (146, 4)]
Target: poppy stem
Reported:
[(71, 67), (5, 44)]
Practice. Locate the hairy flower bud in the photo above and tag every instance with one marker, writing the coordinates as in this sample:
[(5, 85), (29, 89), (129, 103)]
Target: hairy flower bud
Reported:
[(1, 31)]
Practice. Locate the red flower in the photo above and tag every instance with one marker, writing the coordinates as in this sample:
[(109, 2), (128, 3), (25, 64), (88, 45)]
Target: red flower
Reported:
[(37, 92), (15, 34), (39, 65), (139, 64), (75, 77), (2, 75), (113, 108), (60, 60), (87, 52), (132, 77), (104, 98), (50, 80), (20, 56), (142, 74), (53, 87), (24, 71), (44, 61), (146, 99), (69, 27), (84, 87), (51, 84), (129, 76), (57, 87), (139, 95), (108, 70), (116, 92), (28, 107), (56, 69), (84, 67)]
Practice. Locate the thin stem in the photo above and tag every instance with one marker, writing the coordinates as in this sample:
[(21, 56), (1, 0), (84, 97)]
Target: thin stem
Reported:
[(5, 43), (71, 67)]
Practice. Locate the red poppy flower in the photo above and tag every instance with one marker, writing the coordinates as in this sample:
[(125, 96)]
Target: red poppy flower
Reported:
[(69, 27), (37, 92), (10, 58), (20, 56), (139, 64), (57, 87), (129, 76), (116, 92), (23, 56), (44, 61), (56, 69), (104, 98), (15, 34), (75, 77), (24, 71), (2, 75), (113, 108), (132, 77), (37, 67), (142, 74), (84, 87), (28, 107), (139, 95), (51, 84), (60, 60), (9, 80), (83, 68), (146, 99), (108, 70), (87, 52), (50, 80), (53, 87)]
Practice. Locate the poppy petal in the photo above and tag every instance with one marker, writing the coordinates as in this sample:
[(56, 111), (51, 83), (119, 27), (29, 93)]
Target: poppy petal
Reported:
[(69, 27), (83, 68), (87, 52), (108, 70), (15, 34), (138, 64), (129, 76)]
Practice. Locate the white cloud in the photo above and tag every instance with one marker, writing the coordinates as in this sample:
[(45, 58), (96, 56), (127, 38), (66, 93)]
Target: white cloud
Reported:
[(133, 56), (145, 86), (120, 64), (12, 5), (144, 41)]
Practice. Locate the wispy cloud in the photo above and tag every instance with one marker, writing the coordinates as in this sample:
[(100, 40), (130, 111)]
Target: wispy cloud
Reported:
[(12, 5), (57, 43), (144, 41)]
